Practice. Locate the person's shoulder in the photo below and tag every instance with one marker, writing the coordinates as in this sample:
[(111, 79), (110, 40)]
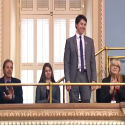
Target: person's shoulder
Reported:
[(123, 78), (15, 80), (2, 80), (88, 38), (70, 39), (104, 79), (38, 87), (107, 79)]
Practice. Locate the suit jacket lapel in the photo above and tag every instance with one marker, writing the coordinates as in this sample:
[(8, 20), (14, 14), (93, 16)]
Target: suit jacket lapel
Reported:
[(75, 44), (108, 81), (109, 78), (2, 80), (14, 87), (3, 87), (43, 92)]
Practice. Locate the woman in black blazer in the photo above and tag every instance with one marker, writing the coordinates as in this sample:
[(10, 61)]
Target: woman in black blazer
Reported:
[(42, 92), (113, 94)]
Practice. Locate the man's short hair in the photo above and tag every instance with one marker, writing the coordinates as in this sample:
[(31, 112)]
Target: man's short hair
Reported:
[(79, 18), (6, 61)]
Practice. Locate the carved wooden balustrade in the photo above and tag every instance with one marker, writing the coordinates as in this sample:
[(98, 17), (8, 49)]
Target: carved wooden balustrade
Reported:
[(62, 114)]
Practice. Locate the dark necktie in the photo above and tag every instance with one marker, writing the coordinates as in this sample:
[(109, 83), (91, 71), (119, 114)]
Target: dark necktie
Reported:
[(81, 55)]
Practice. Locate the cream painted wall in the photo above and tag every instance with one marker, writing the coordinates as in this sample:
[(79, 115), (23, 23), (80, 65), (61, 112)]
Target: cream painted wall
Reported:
[(6, 30), (17, 56), (13, 33), (10, 34), (88, 12)]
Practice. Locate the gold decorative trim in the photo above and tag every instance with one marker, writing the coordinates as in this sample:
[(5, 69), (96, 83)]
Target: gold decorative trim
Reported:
[(0, 37), (102, 38), (59, 113)]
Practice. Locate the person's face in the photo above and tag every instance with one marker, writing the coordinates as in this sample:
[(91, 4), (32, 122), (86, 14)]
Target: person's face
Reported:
[(81, 26), (115, 69), (7, 71), (48, 73)]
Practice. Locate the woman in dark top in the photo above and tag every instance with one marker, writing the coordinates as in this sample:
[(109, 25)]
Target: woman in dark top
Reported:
[(42, 92), (113, 94)]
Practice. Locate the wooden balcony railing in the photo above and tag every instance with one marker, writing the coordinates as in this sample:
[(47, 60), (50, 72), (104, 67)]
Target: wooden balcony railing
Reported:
[(62, 114)]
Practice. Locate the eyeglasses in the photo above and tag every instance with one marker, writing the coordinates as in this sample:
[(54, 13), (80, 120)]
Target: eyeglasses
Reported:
[(115, 66)]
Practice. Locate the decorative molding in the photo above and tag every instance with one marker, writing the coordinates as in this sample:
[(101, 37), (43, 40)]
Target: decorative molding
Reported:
[(102, 38), (123, 111), (57, 114), (0, 36), (68, 114), (61, 122)]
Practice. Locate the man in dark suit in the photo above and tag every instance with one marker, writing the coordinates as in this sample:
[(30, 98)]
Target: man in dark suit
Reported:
[(10, 94), (79, 62)]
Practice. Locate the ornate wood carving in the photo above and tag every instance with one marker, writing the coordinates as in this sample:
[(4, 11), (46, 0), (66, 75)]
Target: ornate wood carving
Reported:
[(57, 114), (103, 38), (90, 111)]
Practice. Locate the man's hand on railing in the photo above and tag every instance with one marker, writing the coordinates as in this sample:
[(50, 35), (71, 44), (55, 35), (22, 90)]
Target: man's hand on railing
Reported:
[(93, 87), (68, 88)]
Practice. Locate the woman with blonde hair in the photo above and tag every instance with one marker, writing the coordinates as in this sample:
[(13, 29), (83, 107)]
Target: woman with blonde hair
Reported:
[(113, 94)]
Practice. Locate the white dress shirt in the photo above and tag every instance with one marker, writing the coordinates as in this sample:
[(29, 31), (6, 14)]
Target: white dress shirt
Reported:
[(78, 46)]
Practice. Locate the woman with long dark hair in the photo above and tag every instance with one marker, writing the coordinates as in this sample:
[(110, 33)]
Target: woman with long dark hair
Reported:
[(42, 92)]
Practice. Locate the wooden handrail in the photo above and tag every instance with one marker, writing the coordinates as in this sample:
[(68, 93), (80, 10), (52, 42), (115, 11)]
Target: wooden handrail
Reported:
[(100, 51), (72, 113), (55, 84), (61, 106), (60, 80)]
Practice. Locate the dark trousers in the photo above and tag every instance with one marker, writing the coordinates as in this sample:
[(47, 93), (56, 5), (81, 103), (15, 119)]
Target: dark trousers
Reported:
[(84, 91)]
